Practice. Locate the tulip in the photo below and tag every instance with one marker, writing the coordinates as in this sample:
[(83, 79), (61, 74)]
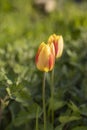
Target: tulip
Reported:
[(57, 40), (45, 57)]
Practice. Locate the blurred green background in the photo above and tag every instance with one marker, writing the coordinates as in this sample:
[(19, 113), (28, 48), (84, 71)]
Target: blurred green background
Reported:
[(23, 26)]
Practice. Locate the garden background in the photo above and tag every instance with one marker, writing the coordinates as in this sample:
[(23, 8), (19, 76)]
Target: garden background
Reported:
[(23, 26)]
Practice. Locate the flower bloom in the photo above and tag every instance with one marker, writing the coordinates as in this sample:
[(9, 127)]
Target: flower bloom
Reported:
[(45, 57), (57, 40)]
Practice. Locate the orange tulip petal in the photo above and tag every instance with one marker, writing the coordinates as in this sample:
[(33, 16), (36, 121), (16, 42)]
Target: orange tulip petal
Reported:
[(51, 61)]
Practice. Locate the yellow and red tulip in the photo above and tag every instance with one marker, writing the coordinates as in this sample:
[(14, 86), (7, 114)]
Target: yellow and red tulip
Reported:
[(45, 57), (57, 40)]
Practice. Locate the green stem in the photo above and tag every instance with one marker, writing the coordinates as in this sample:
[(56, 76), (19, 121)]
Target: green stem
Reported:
[(44, 104), (37, 123), (52, 96)]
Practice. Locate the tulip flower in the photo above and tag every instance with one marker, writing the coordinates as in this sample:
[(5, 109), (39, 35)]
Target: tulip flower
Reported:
[(45, 57), (57, 40)]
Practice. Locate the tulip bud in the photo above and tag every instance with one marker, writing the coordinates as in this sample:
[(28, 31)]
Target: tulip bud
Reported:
[(57, 40), (45, 57)]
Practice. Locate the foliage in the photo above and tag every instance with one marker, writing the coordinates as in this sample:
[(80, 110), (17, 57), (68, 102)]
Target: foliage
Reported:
[(22, 28)]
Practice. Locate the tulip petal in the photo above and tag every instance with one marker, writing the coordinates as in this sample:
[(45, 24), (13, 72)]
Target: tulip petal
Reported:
[(51, 61), (40, 47), (60, 45)]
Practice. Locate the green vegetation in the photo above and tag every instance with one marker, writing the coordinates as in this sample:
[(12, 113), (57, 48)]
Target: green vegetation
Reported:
[(22, 29)]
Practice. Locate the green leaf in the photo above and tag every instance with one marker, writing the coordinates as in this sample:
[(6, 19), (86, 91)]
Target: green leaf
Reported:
[(56, 104), (8, 91), (20, 94), (83, 109), (60, 127), (16, 88), (23, 95), (74, 107), (48, 124), (80, 128), (25, 116), (65, 119)]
